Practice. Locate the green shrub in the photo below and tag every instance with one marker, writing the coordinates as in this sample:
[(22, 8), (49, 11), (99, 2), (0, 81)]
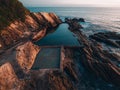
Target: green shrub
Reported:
[(11, 10)]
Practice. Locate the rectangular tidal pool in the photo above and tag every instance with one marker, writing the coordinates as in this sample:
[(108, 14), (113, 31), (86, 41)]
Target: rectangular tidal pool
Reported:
[(47, 58)]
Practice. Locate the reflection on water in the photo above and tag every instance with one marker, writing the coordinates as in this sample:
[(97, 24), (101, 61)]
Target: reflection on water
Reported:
[(61, 37)]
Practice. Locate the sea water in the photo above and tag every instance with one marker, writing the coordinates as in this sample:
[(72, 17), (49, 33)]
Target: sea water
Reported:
[(99, 18)]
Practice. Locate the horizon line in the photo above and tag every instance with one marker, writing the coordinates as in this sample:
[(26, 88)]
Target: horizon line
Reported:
[(76, 6)]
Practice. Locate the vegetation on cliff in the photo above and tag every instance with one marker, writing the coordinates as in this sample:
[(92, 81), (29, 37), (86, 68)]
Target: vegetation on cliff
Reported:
[(11, 10)]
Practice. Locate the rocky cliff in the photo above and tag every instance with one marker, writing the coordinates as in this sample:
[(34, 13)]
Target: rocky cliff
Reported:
[(20, 31), (89, 67), (22, 23), (82, 68)]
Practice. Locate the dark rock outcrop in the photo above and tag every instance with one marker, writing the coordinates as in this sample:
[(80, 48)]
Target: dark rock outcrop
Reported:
[(109, 38), (118, 42), (76, 19), (73, 24), (82, 20), (96, 60), (49, 80)]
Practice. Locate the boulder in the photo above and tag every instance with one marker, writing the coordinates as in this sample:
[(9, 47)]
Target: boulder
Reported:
[(8, 78), (81, 20), (26, 54)]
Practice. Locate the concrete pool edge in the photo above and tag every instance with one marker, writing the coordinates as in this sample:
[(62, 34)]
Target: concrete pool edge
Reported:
[(61, 57)]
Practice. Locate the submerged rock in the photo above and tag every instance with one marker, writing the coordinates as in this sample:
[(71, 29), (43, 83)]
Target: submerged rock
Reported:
[(109, 38)]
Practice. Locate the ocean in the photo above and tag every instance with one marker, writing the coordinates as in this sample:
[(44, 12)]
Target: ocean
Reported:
[(98, 19)]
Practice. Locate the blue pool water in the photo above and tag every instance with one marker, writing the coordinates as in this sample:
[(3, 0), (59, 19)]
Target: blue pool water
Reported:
[(60, 37)]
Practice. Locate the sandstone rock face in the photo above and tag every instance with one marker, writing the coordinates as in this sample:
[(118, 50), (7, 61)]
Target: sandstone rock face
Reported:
[(31, 23), (49, 17), (26, 54), (39, 35), (49, 80), (16, 31), (8, 79), (75, 63), (23, 52)]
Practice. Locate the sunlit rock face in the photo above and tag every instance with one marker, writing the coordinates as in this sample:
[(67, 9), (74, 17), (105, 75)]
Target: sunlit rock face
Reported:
[(49, 18), (35, 22), (26, 54), (31, 23), (8, 79), (20, 62), (39, 35)]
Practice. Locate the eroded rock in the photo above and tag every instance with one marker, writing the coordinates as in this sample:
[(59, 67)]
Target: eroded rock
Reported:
[(35, 22), (51, 80), (109, 38), (98, 61), (26, 54), (8, 78)]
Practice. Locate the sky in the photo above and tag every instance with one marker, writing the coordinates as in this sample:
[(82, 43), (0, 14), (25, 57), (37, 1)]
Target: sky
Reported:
[(77, 3)]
